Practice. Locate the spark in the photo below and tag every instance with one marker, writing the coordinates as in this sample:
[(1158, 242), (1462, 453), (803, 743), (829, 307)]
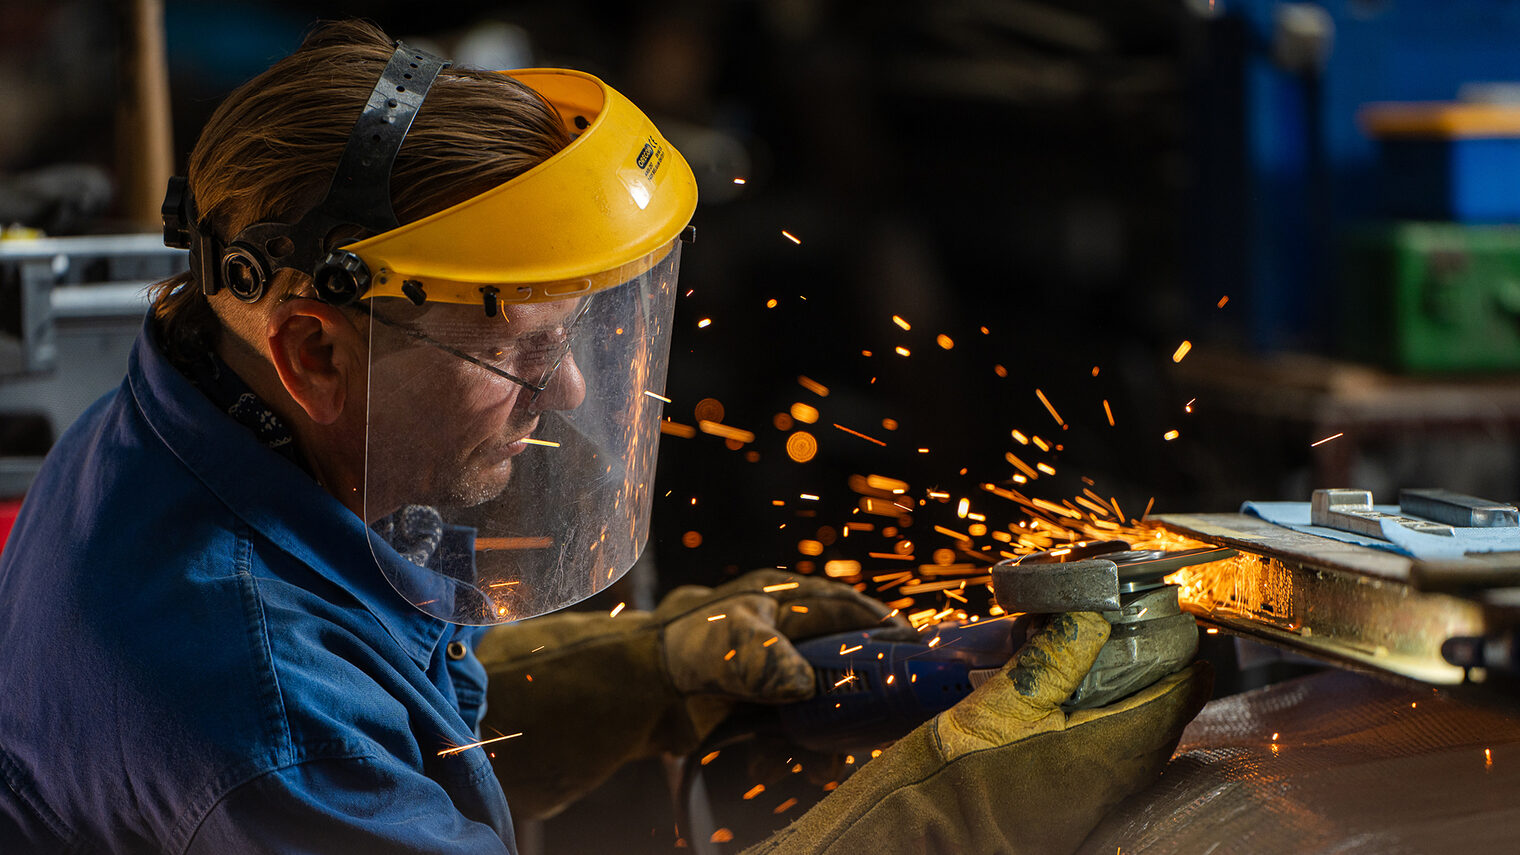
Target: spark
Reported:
[(1046, 468), (1488, 758), (890, 555), (486, 544), (1108, 411), (739, 181), (546, 442), (897, 319), (617, 609), (769, 641), (1182, 350), (730, 654), (711, 618), (1170, 435), (725, 431), (1188, 407), (844, 649), (1020, 438), (791, 237), (705, 322), (450, 751), (808, 496), (771, 303), (944, 341), (859, 434), (782, 586), (1021, 465), (1095, 371), (802, 610), (891, 678), (845, 679), (805, 413), (657, 396), (1226, 298), (785, 806), (903, 351), (709, 758), (1327, 439), (1046, 401), (671, 428), (952, 533), (962, 508), (813, 386), (722, 835)]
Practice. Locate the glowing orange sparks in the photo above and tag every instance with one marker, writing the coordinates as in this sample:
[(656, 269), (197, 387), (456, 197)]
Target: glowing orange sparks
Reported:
[(1327, 439), (861, 435), (656, 396), (1182, 350), (1226, 298), (781, 586), (546, 442), (618, 609), (1170, 435), (462, 748), (791, 237), (1108, 411), (897, 319), (1046, 401), (813, 386)]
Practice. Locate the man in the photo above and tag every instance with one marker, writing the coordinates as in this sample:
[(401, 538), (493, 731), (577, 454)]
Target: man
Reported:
[(400, 397)]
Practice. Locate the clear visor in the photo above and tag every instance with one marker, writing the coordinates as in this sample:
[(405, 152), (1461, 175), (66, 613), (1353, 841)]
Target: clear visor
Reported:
[(510, 459)]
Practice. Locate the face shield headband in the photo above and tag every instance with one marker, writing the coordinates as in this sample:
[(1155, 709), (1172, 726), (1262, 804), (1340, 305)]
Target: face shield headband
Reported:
[(358, 198)]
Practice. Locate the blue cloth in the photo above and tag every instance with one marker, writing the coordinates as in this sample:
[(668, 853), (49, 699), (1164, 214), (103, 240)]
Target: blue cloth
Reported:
[(198, 654), (1396, 538)]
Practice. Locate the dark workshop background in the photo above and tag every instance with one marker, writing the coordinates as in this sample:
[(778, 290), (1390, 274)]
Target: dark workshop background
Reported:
[(1064, 191)]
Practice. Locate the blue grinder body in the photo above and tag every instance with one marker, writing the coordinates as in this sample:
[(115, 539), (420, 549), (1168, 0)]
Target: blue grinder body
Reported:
[(874, 686)]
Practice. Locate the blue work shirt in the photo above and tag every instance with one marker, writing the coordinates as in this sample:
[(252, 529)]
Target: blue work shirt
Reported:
[(198, 653)]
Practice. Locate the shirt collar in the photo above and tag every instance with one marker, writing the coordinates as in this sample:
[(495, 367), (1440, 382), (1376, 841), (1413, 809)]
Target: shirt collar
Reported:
[(273, 495)]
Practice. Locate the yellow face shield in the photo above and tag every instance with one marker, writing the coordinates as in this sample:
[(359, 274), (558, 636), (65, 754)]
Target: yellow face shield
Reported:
[(597, 214), (518, 348)]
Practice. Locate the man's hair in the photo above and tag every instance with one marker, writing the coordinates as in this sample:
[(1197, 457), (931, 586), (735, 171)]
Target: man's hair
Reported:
[(270, 150)]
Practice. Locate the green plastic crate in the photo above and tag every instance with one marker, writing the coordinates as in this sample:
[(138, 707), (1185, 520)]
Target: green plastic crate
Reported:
[(1432, 297)]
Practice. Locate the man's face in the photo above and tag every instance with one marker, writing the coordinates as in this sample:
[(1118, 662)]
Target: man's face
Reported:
[(443, 425)]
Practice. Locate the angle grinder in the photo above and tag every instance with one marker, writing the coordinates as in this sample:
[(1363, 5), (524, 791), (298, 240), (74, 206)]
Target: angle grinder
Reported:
[(876, 685)]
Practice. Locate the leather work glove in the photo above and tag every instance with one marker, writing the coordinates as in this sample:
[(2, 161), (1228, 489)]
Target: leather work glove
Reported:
[(1006, 770), (590, 692)]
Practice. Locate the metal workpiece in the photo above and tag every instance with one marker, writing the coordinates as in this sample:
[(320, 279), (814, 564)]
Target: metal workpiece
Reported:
[(1089, 585), (1458, 509), (1337, 601), (1351, 510)]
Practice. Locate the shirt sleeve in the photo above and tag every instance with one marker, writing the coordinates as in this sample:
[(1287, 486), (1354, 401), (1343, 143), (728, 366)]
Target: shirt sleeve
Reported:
[(353, 804)]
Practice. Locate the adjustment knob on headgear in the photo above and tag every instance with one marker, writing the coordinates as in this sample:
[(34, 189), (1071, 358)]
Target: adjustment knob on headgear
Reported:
[(340, 277), (244, 272)]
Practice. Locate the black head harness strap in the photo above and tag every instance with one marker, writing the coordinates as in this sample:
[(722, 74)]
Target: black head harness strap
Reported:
[(358, 202)]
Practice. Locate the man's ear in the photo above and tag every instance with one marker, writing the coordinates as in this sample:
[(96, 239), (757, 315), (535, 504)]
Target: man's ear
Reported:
[(319, 355)]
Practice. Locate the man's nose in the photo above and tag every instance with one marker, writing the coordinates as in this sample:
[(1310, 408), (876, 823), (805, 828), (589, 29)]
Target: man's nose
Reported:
[(566, 389)]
